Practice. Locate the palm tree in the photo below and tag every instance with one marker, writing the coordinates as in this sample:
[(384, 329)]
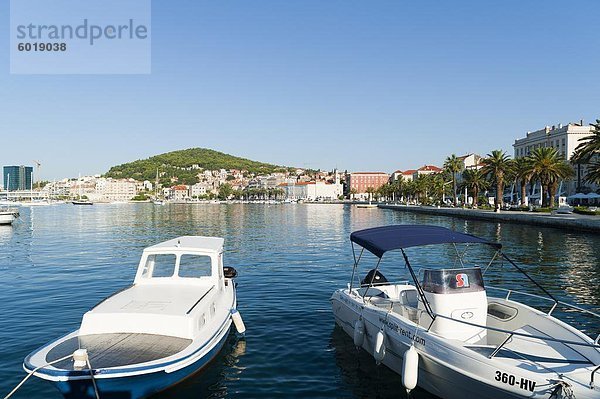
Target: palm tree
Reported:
[(497, 167), (370, 191), (454, 165), (586, 150), (353, 192), (474, 180), (420, 188), (523, 174), (549, 168)]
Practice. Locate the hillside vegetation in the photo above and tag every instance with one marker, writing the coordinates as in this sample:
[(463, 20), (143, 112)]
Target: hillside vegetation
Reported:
[(179, 164)]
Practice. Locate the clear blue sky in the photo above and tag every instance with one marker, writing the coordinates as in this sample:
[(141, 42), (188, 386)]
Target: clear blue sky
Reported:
[(369, 85)]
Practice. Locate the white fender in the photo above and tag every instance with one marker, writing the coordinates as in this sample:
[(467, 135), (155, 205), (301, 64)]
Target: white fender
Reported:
[(237, 321), (359, 333), (379, 350), (410, 369)]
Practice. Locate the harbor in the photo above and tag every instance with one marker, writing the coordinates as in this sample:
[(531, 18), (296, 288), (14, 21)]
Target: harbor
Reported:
[(290, 259)]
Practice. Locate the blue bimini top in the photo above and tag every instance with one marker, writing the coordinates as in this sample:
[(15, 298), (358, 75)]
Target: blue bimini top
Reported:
[(379, 240)]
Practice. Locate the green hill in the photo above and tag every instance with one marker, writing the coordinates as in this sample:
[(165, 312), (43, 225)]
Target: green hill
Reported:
[(179, 164)]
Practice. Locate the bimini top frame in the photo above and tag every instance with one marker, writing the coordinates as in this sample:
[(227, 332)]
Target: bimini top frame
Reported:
[(379, 240)]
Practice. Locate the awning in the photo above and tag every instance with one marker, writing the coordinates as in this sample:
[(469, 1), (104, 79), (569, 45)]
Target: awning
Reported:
[(379, 240)]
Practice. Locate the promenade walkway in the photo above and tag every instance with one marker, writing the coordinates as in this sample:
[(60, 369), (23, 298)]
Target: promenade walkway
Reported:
[(571, 221)]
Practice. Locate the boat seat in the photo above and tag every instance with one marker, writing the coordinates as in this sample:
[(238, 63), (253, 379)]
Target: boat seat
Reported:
[(409, 297)]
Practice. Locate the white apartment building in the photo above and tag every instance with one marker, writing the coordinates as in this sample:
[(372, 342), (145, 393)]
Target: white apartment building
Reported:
[(312, 191), (565, 139), (115, 190), (200, 189), (471, 161)]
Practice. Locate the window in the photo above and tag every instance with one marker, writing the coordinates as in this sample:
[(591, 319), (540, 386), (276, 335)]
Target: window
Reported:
[(194, 266), (160, 265)]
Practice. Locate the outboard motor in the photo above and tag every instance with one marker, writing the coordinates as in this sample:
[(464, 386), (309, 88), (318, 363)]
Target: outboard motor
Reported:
[(373, 278), (458, 294), (229, 272)]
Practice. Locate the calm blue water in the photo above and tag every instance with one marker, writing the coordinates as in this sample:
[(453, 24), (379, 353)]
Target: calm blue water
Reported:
[(57, 262)]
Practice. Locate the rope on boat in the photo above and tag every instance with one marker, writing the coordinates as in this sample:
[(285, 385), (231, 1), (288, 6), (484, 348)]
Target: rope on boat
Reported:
[(563, 389), (87, 360), (32, 372)]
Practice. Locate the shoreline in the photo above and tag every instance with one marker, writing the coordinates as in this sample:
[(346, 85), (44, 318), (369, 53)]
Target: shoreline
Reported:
[(561, 221)]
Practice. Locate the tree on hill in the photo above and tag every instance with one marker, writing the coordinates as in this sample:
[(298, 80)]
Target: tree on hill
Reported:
[(186, 164), (225, 190)]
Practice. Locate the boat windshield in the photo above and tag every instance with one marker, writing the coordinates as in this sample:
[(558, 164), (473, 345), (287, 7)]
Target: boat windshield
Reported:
[(452, 281), (194, 266), (171, 265)]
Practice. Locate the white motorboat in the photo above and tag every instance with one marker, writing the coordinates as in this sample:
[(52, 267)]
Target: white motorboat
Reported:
[(82, 202), (8, 215), (447, 333), (169, 324), (564, 209), (367, 206)]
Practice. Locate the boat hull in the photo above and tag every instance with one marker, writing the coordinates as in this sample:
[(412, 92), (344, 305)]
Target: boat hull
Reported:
[(442, 370), (6, 218), (137, 386)]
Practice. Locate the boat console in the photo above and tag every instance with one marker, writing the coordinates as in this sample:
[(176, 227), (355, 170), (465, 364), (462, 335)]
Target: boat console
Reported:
[(458, 294)]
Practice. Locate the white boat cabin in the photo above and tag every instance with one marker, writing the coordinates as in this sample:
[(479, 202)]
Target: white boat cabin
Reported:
[(177, 290)]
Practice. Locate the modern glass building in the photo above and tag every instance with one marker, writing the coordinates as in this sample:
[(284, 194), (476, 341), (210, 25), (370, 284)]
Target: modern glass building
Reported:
[(17, 177)]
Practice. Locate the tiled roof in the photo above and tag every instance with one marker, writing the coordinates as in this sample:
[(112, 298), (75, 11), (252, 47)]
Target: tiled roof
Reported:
[(432, 168)]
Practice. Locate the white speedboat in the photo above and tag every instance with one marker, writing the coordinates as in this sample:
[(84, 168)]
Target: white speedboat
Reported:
[(8, 215), (82, 202), (168, 325), (448, 334), (367, 206)]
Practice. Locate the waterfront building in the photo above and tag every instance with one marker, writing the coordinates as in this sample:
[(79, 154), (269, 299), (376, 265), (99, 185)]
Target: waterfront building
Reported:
[(115, 190), (408, 175), (426, 170), (395, 176), (200, 190), (18, 177), (565, 139), (61, 188), (471, 161), (180, 192), (146, 185), (312, 191), (361, 181)]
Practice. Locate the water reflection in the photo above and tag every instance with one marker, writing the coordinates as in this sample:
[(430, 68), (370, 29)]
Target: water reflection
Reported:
[(362, 377), (213, 381)]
